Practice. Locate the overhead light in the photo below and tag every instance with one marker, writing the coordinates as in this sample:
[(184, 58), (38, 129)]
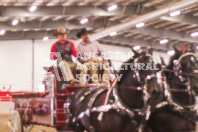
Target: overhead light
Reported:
[(171, 52), (176, 13), (2, 32), (15, 22), (113, 7), (197, 47), (139, 25), (45, 38), (32, 8), (136, 47), (164, 41), (148, 77), (83, 21), (195, 34), (113, 33)]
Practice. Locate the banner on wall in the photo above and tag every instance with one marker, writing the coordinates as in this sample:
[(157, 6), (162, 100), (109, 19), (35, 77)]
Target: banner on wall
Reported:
[(5, 94)]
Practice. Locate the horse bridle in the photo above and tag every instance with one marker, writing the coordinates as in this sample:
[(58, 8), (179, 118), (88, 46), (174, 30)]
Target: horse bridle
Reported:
[(177, 67), (178, 72), (118, 104), (148, 77), (143, 85)]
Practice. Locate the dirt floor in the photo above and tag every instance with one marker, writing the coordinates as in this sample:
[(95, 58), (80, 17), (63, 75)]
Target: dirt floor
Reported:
[(4, 119)]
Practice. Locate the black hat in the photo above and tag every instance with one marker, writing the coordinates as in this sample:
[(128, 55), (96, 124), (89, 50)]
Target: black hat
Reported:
[(84, 30)]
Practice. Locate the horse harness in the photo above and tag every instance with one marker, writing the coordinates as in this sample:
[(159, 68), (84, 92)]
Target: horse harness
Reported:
[(177, 68), (115, 103), (184, 110)]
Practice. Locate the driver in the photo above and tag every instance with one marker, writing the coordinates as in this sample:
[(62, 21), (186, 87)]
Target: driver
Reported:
[(67, 49)]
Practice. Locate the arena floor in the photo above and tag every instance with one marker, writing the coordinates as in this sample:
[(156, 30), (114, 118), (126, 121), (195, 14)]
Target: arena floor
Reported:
[(4, 119)]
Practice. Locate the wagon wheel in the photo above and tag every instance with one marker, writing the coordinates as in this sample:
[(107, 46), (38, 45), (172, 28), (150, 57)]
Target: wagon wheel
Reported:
[(16, 124)]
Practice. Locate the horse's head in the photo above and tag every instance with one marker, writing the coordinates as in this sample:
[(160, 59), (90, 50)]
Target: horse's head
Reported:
[(146, 71), (186, 64)]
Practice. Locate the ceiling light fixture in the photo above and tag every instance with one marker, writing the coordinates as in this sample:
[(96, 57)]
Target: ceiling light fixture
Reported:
[(113, 33), (15, 22), (139, 25), (195, 34), (45, 38), (176, 13), (83, 21), (171, 52), (136, 47), (164, 41), (32, 8), (113, 7), (2, 32)]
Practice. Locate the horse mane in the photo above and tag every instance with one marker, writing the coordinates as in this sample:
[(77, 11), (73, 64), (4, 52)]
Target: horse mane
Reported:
[(123, 66), (130, 61), (171, 61), (170, 65)]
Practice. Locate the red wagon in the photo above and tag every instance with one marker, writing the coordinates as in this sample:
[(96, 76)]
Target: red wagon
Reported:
[(47, 107)]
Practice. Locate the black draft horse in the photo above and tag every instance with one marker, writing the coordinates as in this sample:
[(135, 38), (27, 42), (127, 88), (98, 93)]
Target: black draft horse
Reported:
[(131, 91), (181, 76)]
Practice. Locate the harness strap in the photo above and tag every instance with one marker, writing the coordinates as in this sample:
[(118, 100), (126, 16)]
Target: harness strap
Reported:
[(173, 71), (90, 104), (116, 105), (174, 106), (85, 95), (84, 117), (104, 102)]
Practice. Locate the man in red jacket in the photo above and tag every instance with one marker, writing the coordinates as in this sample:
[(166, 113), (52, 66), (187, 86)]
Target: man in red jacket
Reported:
[(66, 48)]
